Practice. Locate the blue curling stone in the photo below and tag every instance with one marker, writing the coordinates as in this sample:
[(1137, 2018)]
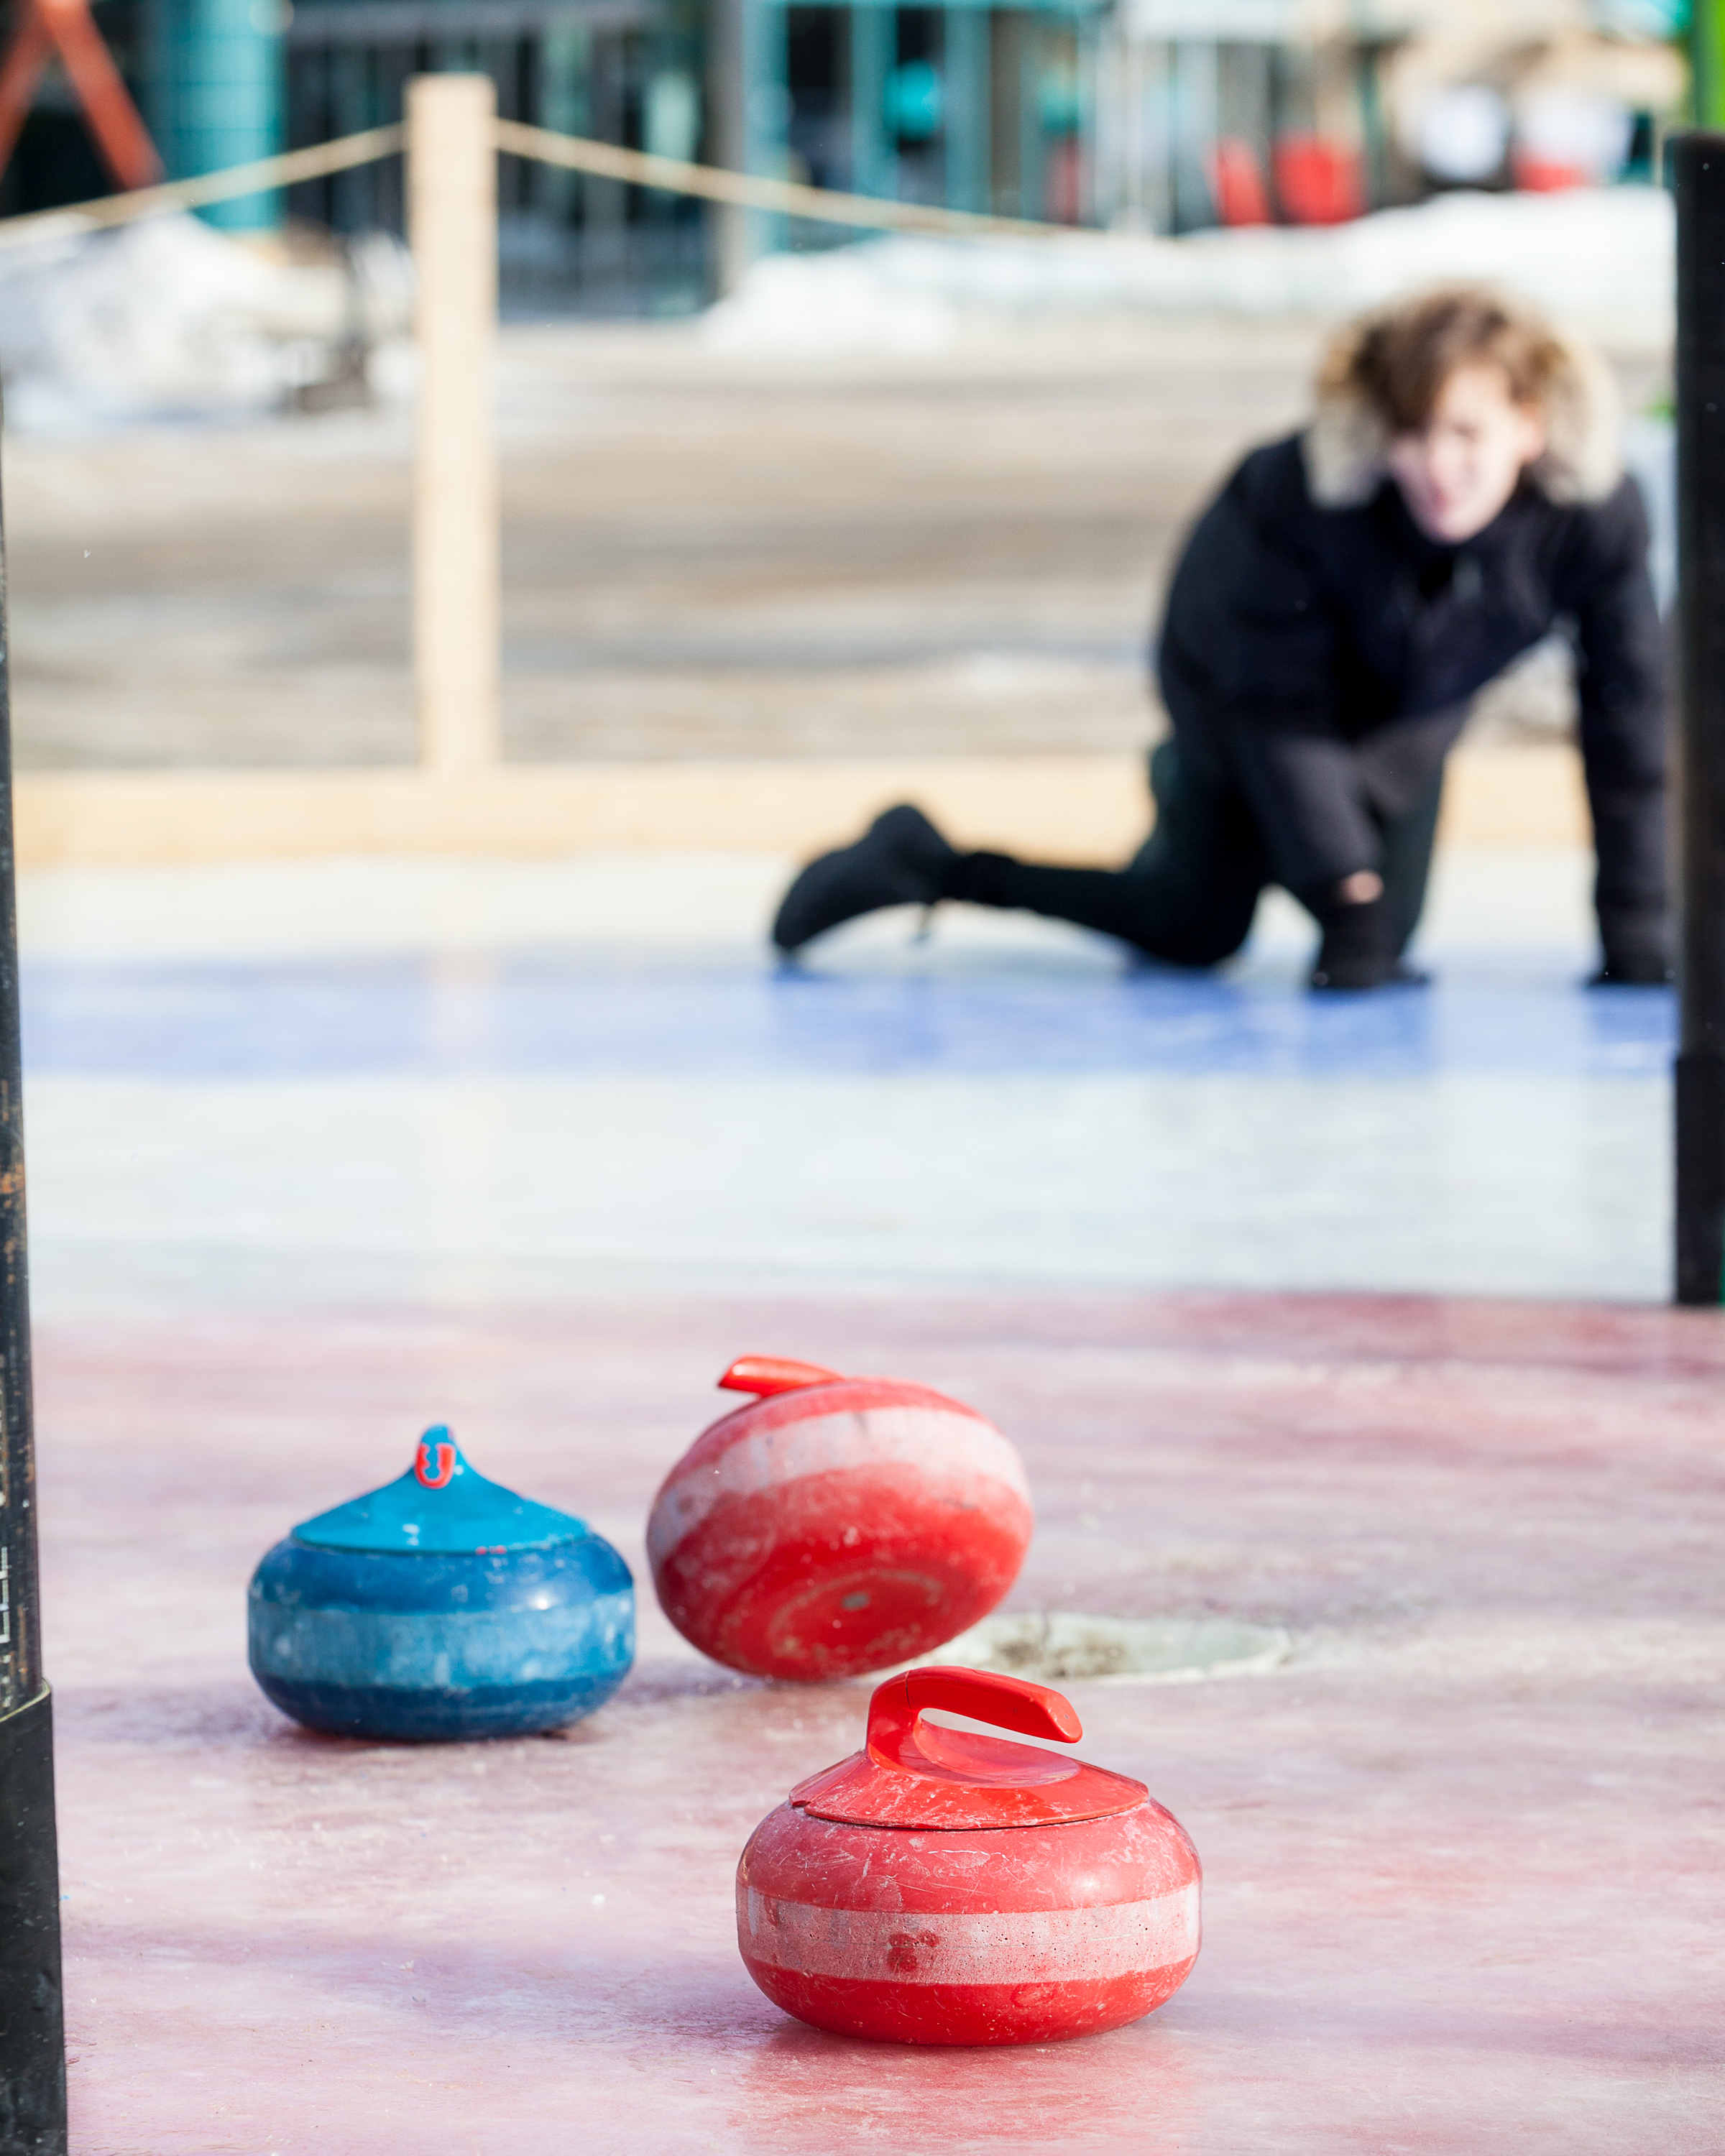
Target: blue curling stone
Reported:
[(441, 1606)]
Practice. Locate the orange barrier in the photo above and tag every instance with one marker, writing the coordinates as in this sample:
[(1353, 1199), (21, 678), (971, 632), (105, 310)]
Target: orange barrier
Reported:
[(64, 28)]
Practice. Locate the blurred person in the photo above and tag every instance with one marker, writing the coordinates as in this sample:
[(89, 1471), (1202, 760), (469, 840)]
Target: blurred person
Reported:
[(1458, 494)]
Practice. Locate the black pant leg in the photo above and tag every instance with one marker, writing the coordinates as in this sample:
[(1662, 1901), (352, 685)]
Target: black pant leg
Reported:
[(1189, 895), (1408, 841)]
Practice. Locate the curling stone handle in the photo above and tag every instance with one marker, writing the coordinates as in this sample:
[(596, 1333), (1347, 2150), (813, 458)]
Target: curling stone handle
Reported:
[(763, 1374), (435, 1458), (1008, 1702)]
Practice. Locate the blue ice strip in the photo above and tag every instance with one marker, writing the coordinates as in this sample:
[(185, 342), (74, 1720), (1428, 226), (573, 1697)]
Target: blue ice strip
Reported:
[(544, 1015)]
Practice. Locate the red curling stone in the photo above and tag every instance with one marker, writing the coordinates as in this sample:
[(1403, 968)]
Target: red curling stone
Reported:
[(943, 1887), (836, 1525)]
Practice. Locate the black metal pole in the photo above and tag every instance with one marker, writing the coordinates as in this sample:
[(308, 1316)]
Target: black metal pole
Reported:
[(1698, 171), (32, 2050)]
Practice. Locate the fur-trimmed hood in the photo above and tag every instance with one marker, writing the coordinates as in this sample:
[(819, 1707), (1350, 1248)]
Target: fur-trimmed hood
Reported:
[(1343, 448)]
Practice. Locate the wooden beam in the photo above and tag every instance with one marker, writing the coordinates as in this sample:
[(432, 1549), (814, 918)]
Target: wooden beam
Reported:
[(452, 208)]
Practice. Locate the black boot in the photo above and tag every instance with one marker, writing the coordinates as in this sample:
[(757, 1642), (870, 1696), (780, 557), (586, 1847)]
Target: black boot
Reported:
[(1636, 962), (901, 860), (1358, 949)]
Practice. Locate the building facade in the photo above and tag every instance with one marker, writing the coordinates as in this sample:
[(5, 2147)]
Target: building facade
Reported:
[(1165, 115)]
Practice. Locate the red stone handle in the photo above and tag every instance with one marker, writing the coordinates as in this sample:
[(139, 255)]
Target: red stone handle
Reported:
[(1008, 1702), (762, 1374)]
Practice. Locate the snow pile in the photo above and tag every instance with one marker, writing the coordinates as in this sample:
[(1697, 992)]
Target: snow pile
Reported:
[(1601, 258), (170, 318)]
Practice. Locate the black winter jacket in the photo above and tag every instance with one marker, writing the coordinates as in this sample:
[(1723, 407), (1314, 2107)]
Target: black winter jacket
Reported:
[(1321, 658)]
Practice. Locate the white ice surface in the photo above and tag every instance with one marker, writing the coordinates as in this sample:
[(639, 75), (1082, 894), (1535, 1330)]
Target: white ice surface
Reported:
[(380, 1190), (159, 1192)]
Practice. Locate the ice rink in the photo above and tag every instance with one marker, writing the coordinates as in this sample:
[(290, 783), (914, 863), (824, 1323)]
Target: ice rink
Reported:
[(1339, 1315)]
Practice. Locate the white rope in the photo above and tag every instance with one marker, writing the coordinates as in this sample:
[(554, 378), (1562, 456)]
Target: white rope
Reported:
[(260, 177), (574, 153), (750, 191)]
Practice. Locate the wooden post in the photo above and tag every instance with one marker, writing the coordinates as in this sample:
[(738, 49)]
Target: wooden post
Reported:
[(452, 211)]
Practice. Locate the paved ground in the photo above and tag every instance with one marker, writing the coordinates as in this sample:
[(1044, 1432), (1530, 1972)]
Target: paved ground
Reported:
[(704, 554)]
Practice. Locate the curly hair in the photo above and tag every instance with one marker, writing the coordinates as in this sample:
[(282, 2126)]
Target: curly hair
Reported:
[(1399, 358)]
